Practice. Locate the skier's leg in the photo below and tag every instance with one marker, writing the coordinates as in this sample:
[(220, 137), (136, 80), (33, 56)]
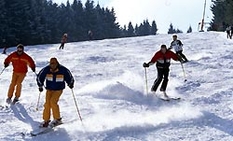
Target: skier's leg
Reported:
[(19, 81), (12, 85), (54, 104), (179, 56), (165, 79), (183, 56), (47, 106), (158, 80)]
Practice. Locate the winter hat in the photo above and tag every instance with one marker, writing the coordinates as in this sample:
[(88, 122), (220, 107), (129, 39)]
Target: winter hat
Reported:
[(163, 46), (20, 46), (53, 61)]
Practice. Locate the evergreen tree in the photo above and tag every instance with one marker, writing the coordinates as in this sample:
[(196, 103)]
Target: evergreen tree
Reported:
[(137, 32), (189, 29), (3, 25), (178, 31), (130, 30), (77, 7), (154, 28), (223, 14), (171, 30), (51, 23), (42, 22)]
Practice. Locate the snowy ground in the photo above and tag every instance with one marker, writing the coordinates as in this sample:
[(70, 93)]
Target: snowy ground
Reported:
[(111, 96)]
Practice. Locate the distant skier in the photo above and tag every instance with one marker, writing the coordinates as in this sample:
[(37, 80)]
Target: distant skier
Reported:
[(20, 60), (4, 50), (55, 76), (178, 47), (162, 59), (4, 44), (63, 41), (228, 30), (90, 35), (231, 31)]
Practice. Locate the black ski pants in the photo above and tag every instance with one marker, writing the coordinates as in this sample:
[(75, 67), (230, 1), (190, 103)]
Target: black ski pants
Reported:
[(183, 57), (161, 75)]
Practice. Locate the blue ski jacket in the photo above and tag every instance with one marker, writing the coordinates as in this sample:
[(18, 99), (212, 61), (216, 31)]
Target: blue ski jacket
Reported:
[(55, 80)]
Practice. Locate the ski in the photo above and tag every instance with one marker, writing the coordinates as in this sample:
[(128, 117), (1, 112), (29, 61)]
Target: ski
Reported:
[(8, 105), (43, 130), (169, 98), (5, 106), (165, 97)]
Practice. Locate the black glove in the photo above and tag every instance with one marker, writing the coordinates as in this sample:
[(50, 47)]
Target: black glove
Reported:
[(41, 89), (33, 69), (6, 65), (71, 85), (146, 65)]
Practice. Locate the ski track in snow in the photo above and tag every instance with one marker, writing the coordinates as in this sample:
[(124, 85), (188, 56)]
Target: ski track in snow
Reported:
[(111, 95)]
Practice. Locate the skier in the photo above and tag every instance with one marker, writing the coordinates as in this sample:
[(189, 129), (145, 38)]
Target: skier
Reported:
[(162, 59), (63, 41), (4, 50), (178, 47), (20, 60), (90, 35), (228, 30), (231, 31), (56, 75)]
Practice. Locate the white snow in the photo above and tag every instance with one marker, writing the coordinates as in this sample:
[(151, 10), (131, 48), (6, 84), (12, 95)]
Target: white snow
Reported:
[(111, 94)]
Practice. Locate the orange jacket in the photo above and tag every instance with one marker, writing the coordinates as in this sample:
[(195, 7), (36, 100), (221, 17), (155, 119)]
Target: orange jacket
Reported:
[(20, 62)]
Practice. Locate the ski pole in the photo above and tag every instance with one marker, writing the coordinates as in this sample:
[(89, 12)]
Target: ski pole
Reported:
[(76, 105), (146, 81), (37, 105), (2, 71), (183, 72)]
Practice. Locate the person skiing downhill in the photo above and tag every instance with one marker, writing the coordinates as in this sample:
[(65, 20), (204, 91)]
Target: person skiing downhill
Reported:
[(55, 76), (178, 47), (20, 61), (162, 59), (63, 41)]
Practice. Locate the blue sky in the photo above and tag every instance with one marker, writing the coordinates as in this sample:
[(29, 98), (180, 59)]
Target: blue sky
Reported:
[(181, 13)]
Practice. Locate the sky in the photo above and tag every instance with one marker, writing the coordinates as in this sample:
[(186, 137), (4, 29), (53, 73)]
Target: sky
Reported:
[(181, 13), (110, 91)]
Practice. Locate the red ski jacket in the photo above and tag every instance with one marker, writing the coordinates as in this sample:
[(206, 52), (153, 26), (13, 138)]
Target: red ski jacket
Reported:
[(163, 59), (20, 62)]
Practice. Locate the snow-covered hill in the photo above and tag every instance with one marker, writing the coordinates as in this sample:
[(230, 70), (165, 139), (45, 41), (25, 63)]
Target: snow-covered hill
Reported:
[(111, 96)]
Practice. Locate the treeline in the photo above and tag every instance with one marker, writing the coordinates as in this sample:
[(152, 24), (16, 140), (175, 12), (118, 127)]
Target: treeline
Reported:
[(43, 22), (222, 15)]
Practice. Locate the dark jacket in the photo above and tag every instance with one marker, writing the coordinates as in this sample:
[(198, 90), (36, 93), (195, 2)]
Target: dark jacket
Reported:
[(55, 80)]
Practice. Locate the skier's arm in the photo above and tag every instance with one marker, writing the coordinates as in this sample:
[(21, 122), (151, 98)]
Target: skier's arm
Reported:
[(180, 43), (41, 77)]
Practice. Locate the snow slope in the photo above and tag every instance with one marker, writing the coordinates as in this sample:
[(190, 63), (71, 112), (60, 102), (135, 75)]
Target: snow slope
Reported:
[(111, 94)]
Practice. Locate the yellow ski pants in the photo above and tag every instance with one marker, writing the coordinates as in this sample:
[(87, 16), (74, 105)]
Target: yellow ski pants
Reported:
[(51, 103), (16, 82)]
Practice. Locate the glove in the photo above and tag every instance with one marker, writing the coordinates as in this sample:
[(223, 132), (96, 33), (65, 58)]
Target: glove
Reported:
[(146, 65), (6, 65), (41, 89), (33, 69), (71, 85)]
